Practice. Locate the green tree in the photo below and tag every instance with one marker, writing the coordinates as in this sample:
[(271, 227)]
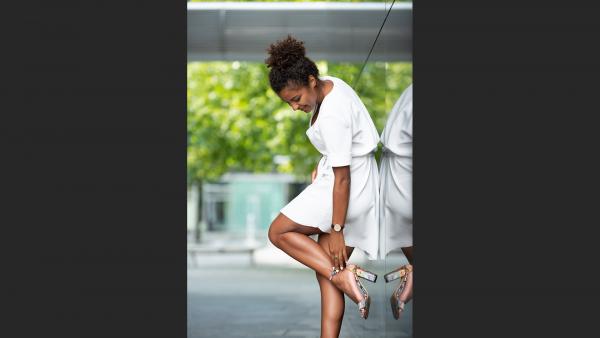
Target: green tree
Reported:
[(237, 123)]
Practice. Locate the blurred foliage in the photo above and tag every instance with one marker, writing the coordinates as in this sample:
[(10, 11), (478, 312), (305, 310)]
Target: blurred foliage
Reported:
[(237, 123)]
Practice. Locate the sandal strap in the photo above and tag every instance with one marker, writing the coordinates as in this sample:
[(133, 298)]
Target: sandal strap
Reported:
[(399, 289), (334, 272)]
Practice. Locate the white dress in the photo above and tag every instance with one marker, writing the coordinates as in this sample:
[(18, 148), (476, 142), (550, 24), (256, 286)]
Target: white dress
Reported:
[(344, 134), (396, 216)]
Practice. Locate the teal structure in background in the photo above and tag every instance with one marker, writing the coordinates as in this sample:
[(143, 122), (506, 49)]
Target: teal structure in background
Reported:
[(254, 200)]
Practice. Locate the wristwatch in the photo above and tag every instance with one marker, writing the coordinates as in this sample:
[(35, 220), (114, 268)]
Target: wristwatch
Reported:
[(337, 227)]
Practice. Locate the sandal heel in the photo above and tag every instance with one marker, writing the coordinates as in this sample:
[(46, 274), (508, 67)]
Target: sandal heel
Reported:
[(399, 298), (398, 273), (366, 275), (365, 303)]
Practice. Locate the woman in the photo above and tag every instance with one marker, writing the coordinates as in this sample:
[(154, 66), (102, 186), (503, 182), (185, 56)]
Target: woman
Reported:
[(396, 196), (341, 204)]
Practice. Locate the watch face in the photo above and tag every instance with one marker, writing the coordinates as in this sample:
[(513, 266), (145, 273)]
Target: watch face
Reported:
[(337, 227)]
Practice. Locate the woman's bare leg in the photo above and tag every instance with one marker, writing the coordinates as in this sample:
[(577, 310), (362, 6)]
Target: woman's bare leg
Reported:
[(332, 299), (292, 238)]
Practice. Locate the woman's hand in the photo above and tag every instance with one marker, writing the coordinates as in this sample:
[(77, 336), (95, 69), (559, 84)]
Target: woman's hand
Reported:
[(337, 250)]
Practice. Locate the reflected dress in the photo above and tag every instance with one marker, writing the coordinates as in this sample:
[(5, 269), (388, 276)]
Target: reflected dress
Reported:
[(396, 215)]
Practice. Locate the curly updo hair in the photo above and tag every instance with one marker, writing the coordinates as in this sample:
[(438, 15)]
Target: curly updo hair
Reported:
[(288, 63)]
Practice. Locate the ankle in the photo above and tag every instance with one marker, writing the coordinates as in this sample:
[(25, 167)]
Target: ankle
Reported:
[(333, 272)]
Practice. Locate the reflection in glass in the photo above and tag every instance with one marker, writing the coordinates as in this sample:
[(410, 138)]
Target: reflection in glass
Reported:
[(396, 217)]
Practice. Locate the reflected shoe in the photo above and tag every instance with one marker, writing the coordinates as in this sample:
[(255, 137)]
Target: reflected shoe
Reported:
[(365, 302), (403, 292)]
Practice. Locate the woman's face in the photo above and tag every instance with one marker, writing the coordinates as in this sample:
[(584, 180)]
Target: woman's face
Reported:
[(301, 97)]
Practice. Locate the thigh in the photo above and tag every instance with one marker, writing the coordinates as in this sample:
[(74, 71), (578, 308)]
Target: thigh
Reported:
[(283, 224)]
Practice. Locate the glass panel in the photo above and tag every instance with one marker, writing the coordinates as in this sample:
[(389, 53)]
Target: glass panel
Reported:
[(396, 164)]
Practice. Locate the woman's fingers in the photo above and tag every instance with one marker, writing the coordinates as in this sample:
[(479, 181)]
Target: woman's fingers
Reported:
[(336, 259), (338, 255), (333, 255), (341, 258)]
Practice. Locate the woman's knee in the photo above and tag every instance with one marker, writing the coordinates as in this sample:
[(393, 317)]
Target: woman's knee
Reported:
[(279, 227), (274, 234)]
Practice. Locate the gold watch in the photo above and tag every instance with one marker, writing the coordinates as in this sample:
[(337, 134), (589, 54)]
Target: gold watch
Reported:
[(337, 227)]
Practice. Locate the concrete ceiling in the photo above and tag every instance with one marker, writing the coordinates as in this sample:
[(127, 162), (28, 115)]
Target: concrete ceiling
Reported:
[(331, 31)]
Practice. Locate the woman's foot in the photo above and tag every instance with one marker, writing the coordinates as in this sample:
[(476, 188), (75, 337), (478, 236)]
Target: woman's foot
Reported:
[(347, 281)]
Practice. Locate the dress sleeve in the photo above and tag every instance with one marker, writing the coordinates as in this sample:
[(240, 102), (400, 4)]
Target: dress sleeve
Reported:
[(336, 132), (407, 126), (408, 120)]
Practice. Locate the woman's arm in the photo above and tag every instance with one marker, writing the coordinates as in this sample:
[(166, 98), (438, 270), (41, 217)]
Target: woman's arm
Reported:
[(341, 195)]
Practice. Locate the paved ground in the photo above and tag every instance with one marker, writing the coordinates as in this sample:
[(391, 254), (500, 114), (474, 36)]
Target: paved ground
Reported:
[(236, 300)]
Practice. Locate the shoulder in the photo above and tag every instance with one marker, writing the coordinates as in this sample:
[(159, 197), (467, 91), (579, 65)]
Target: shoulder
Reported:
[(340, 86), (407, 97), (339, 99), (404, 103)]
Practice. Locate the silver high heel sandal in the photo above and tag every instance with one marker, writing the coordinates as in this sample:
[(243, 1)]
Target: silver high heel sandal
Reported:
[(402, 293), (365, 303)]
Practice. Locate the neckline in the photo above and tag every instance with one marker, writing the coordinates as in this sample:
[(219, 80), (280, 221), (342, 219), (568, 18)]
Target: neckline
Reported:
[(310, 121), (312, 116)]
